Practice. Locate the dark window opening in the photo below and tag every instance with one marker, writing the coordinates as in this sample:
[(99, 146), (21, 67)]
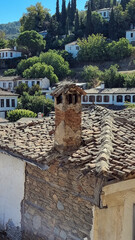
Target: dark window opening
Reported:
[(99, 98), (127, 98), (106, 98), (85, 98), (6, 54), (13, 102), (38, 83), (75, 98), (91, 98), (7, 103), (11, 54), (2, 54), (2, 102), (33, 83), (104, 14), (59, 99), (131, 35), (134, 98), (119, 98), (70, 98)]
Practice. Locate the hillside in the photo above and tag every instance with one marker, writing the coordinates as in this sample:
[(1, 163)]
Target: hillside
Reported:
[(11, 29)]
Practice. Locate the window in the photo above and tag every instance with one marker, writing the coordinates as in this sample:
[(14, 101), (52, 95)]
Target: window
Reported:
[(10, 85), (85, 98), (38, 83), (20, 82), (4, 85), (119, 98), (77, 47), (59, 99), (33, 83), (2, 103), (7, 103), (127, 98), (106, 98), (13, 102), (99, 98), (91, 98), (104, 14), (131, 35), (3, 54), (0, 55), (134, 98), (11, 54), (26, 82), (6, 54)]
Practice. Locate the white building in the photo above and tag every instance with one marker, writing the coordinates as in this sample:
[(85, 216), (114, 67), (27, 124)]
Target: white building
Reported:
[(43, 33), (8, 53), (73, 48), (130, 35), (11, 82), (105, 13), (8, 101), (109, 96)]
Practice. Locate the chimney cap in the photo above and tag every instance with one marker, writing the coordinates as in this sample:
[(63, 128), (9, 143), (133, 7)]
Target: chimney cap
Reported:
[(65, 86)]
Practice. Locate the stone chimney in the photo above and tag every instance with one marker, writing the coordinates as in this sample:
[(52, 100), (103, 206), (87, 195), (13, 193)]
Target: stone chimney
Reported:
[(67, 116)]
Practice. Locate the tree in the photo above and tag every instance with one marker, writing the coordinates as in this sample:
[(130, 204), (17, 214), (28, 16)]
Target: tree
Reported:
[(33, 41), (21, 88), (10, 72), (76, 23), (57, 11), (16, 114), (112, 26), (41, 70), (97, 22), (88, 20), (130, 10), (61, 67), (124, 3), (91, 74), (112, 78), (63, 16), (36, 18), (26, 63), (35, 88)]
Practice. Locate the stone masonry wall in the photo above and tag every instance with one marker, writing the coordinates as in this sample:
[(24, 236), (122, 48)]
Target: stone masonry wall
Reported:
[(57, 205)]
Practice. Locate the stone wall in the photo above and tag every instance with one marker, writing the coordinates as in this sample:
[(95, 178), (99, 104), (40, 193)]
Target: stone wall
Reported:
[(58, 205)]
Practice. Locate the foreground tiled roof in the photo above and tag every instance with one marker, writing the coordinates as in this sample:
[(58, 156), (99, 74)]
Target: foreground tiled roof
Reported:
[(108, 143)]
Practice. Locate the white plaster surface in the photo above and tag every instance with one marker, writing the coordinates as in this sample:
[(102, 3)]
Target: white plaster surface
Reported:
[(12, 178)]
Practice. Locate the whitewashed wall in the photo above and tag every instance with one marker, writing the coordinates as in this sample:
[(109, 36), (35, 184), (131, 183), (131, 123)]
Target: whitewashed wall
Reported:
[(73, 49), (128, 35), (12, 178)]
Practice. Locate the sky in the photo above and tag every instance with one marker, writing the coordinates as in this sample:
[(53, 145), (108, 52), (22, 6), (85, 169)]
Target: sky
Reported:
[(12, 10)]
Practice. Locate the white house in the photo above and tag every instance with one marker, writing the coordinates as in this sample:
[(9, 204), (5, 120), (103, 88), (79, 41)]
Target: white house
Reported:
[(8, 53), (105, 13), (43, 33), (130, 35), (72, 48), (109, 96), (11, 82), (8, 101)]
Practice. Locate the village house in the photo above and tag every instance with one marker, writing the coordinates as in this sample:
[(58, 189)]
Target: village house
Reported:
[(130, 35), (105, 13), (70, 178), (72, 48), (9, 57), (108, 96), (8, 101), (13, 81)]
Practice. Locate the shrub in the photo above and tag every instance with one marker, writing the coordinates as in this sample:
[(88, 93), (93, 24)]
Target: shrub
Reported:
[(91, 75), (15, 115), (10, 72)]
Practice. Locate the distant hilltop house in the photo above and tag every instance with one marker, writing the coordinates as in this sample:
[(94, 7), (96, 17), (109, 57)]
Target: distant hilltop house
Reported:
[(109, 96), (105, 13), (8, 101), (11, 82), (72, 48), (8, 57), (69, 177), (43, 33), (130, 35)]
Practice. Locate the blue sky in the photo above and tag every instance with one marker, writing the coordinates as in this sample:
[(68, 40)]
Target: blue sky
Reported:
[(12, 10)]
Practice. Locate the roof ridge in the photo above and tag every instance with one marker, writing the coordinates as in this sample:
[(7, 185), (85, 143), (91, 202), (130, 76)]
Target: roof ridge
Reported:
[(106, 148)]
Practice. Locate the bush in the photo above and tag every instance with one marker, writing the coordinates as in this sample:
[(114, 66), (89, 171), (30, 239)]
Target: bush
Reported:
[(91, 74), (10, 72), (15, 115)]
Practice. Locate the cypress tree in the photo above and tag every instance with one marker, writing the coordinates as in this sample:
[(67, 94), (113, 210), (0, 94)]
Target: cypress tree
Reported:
[(112, 26), (76, 23), (124, 3), (63, 16), (92, 5), (88, 21), (57, 11), (114, 2), (101, 4)]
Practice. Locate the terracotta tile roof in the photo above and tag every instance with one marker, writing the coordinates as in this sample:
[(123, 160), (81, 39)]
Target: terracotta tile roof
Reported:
[(108, 142)]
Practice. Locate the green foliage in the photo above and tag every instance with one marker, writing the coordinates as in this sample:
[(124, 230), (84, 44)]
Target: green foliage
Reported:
[(129, 80), (61, 67), (31, 40), (129, 105), (10, 72), (36, 18), (41, 70), (34, 90), (16, 114), (93, 48), (91, 74), (112, 78), (26, 63), (36, 103), (21, 88), (10, 29)]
